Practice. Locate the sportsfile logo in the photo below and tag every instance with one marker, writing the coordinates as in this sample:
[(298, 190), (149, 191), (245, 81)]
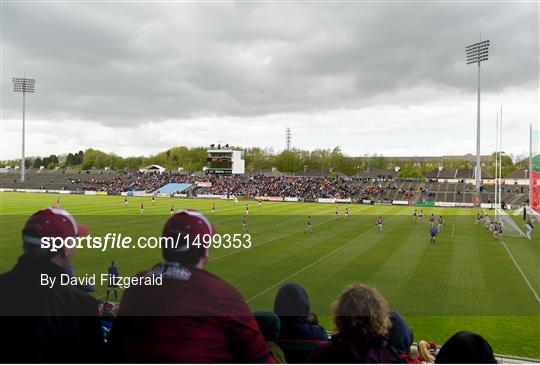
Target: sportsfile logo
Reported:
[(118, 240)]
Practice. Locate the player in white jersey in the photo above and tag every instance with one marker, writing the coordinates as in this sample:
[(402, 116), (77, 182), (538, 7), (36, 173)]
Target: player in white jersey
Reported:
[(58, 202), (309, 226), (244, 224), (235, 200), (490, 224), (142, 208), (440, 223), (337, 213), (415, 216), (213, 210), (421, 215), (347, 214), (153, 200), (260, 203), (247, 210), (126, 202), (172, 209), (379, 224)]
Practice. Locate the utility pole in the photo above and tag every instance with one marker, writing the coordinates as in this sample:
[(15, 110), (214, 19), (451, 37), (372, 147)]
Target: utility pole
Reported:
[(288, 138)]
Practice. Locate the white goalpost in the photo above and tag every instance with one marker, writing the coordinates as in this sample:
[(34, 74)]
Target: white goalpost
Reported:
[(510, 227)]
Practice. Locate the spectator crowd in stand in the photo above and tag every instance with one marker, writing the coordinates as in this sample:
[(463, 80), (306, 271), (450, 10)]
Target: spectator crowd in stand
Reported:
[(245, 185), (195, 316)]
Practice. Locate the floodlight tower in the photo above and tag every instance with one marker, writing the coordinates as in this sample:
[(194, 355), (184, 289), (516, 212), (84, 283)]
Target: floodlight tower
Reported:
[(24, 86), (477, 53)]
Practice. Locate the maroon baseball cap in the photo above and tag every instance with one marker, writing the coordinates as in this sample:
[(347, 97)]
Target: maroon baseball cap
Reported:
[(186, 222), (51, 222)]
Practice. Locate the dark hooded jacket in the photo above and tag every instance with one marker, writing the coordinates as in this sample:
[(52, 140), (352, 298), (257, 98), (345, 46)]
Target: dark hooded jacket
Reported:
[(292, 307), (466, 348), (400, 335)]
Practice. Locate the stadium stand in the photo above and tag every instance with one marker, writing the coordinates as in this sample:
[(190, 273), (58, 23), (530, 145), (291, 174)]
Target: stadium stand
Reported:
[(446, 185)]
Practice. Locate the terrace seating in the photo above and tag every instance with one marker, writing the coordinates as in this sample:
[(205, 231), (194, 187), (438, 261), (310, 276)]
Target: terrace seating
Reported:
[(54, 180), (451, 190)]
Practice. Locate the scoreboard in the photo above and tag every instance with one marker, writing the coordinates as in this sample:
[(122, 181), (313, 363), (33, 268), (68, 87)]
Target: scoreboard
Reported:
[(225, 161)]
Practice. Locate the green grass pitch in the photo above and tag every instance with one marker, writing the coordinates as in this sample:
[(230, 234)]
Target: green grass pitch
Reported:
[(466, 281)]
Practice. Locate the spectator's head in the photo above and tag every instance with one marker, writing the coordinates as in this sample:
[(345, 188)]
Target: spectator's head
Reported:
[(400, 334), (361, 311), (313, 319), (182, 226), (269, 324), (423, 352), (291, 301), (53, 223), (466, 347)]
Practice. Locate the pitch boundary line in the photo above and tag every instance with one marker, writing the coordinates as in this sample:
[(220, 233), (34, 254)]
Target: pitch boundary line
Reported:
[(272, 240), (315, 262), (535, 294)]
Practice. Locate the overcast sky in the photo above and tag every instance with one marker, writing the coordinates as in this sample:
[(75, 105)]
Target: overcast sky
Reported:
[(371, 77)]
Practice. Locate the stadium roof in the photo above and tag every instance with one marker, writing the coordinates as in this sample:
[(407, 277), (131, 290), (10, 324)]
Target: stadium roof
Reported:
[(266, 172), (456, 174), (424, 159), (313, 172), (154, 168), (518, 174), (375, 173)]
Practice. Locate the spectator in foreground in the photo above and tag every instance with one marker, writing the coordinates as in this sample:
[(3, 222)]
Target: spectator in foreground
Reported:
[(270, 327), (194, 316), (299, 334), (53, 323), (424, 354), (292, 307), (362, 321), (400, 335), (466, 348)]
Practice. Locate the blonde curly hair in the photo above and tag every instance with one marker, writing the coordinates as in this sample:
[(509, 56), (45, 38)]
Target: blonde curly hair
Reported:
[(423, 352), (361, 310)]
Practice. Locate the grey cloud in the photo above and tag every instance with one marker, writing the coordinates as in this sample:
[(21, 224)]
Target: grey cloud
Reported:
[(122, 64)]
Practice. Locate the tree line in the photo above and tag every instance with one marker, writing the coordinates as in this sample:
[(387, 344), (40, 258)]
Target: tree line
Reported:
[(191, 159)]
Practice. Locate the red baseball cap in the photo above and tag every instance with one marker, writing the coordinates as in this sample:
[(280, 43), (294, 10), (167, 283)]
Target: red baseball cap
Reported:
[(51, 222), (186, 222)]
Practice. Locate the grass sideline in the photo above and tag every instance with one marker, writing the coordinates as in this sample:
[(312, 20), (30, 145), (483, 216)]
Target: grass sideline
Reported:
[(465, 281)]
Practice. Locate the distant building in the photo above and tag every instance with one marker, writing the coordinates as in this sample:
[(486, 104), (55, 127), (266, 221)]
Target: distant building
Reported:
[(486, 160), (380, 174), (153, 168), (519, 177)]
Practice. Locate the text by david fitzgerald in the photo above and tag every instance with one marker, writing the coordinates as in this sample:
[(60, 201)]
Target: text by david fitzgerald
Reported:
[(104, 279)]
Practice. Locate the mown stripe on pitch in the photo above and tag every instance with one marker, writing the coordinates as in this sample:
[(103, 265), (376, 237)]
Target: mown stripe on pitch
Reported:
[(394, 275), (320, 259)]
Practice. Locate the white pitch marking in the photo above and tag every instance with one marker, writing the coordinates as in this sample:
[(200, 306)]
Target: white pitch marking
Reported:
[(536, 296), (315, 262)]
